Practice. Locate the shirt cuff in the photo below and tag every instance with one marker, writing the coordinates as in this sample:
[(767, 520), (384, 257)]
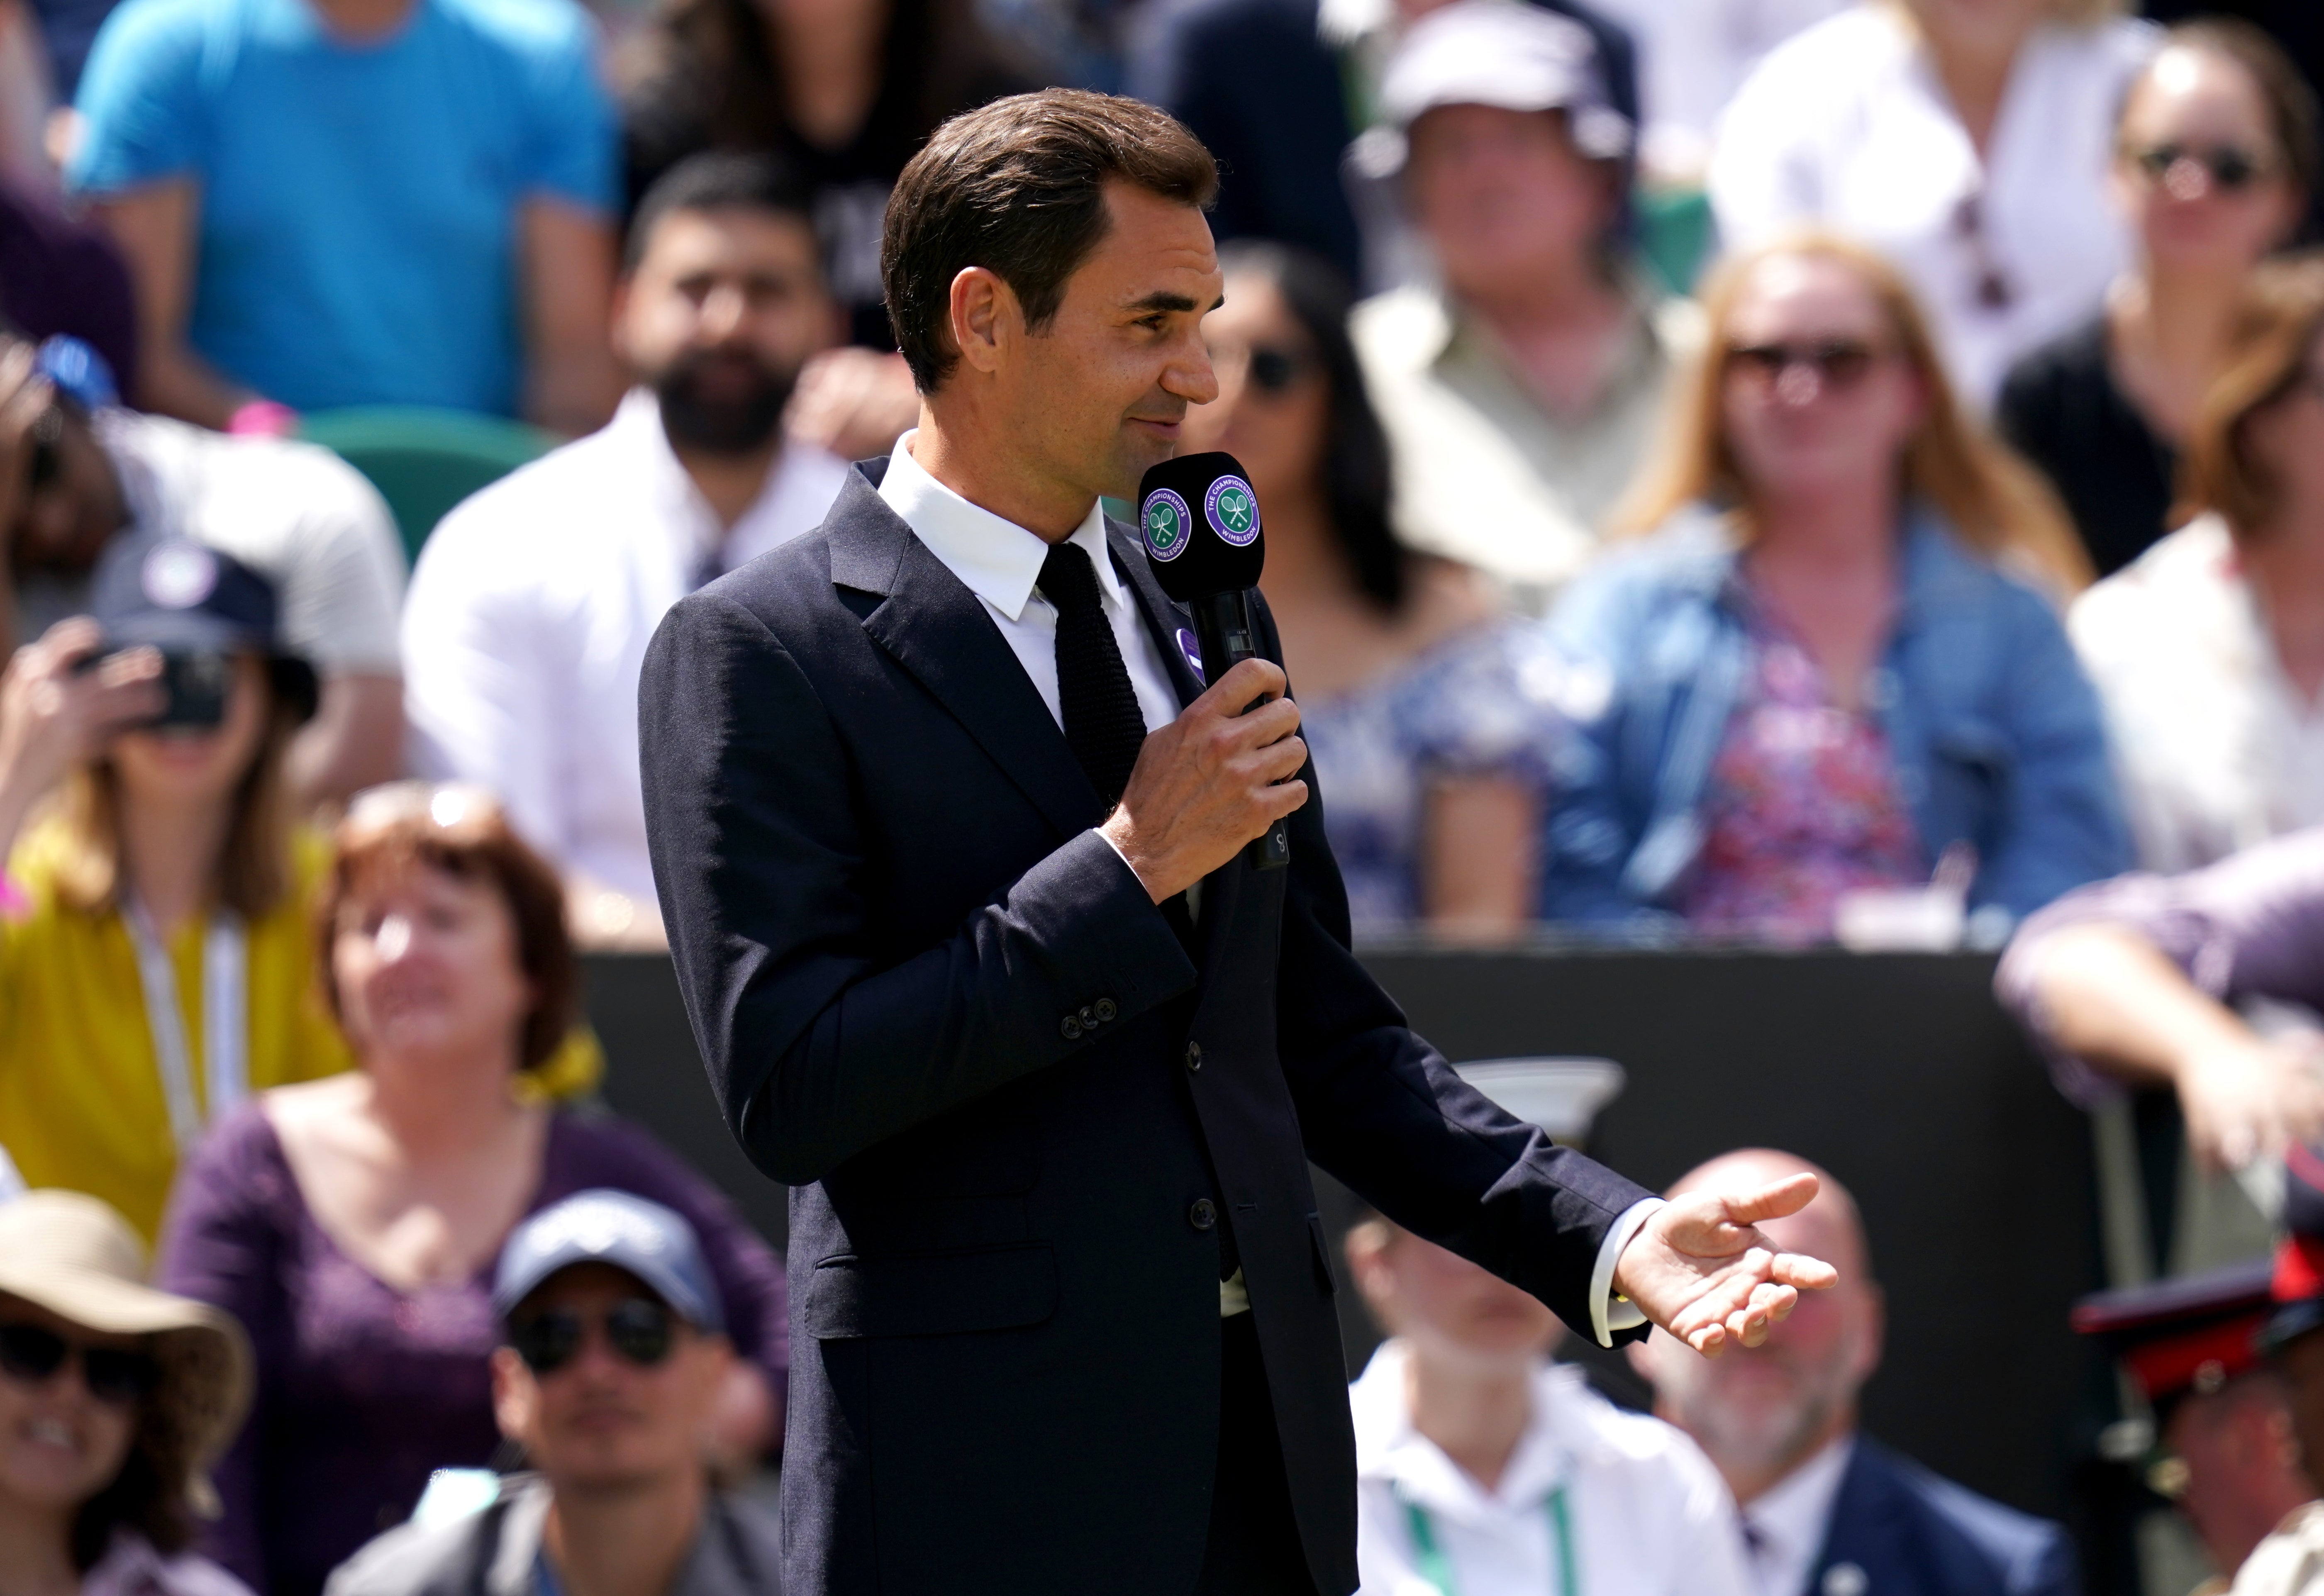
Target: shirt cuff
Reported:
[(1608, 1313)]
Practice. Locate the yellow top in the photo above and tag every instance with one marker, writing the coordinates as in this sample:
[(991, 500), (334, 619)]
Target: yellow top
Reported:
[(81, 1100)]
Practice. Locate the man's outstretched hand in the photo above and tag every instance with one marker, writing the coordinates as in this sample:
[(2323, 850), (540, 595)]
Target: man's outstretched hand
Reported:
[(1700, 1267)]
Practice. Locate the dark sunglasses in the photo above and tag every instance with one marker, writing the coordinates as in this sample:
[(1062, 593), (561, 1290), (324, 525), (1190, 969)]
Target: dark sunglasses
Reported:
[(34, 1354), (640, 1332), (1838, 362), (2232, 169)]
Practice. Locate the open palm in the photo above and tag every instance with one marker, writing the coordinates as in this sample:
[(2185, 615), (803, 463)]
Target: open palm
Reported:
[(1702, 1269)]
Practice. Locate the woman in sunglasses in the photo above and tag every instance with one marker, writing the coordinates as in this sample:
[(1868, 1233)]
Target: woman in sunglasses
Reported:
[(114, 1400), (351, 1225), (1407, 699), (2215, 159), (1824, 676)]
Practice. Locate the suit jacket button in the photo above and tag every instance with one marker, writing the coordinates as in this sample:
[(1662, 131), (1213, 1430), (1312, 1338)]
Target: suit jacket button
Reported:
[(1203, 1215), (1088, 1018), (1194, 1056), (1070, 1028), (1105, 1010)]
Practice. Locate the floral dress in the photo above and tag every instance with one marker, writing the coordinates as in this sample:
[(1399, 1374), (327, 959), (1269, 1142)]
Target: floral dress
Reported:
[(1803, 807), (1456, 710)]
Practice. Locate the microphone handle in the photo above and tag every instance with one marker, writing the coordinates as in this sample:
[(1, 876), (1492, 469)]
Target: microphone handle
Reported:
[(1224, 637)]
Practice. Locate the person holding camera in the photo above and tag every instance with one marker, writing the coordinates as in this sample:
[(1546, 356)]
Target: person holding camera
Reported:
[(156, 962)]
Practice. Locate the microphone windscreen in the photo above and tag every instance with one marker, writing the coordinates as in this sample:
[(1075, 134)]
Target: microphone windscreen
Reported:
[(1200, 521)]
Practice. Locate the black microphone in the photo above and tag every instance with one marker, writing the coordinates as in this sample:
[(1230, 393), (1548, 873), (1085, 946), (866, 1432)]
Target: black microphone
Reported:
[(1200, 521)]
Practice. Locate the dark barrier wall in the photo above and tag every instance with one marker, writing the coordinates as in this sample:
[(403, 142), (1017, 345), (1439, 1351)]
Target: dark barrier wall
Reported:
[(1897, 1072)]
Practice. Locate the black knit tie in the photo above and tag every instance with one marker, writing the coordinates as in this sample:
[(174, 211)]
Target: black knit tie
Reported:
[(1103, 724)]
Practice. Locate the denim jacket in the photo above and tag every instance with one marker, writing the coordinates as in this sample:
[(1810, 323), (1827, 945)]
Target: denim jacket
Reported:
[(1995, 731)]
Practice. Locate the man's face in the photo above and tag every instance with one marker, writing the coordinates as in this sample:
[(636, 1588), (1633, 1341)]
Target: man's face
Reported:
[(1761, 1410), (724, 308), (1098, 394), (1503, 197), (602, 1420), (70, 504)]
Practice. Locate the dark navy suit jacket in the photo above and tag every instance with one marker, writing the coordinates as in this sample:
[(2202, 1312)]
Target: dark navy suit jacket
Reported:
[(1016, 1114), (1907, 1532)]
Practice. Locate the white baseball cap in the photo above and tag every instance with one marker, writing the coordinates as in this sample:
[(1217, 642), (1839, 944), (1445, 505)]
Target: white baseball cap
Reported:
[(1510, 55)]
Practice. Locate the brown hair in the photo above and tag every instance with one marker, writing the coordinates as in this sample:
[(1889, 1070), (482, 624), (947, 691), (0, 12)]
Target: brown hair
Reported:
[(2276, 326), (253, 875), (1018, 187), (148, 1496), (463, 832), (1993, 500), (2284, 94)]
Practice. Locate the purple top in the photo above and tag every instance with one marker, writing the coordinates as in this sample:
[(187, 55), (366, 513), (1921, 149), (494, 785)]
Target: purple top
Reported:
[(58, 276), (2251, 926), (362, 1389)]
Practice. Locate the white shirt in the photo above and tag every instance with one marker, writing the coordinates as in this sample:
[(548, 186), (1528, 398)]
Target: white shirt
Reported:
[(1649, 1515), (1846, 125), (1693, 56), (1786, 1528), (2214, 747), (999, 562), (529, 616)]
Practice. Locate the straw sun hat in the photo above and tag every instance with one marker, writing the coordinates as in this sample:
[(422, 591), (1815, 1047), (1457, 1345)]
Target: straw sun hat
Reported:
[(74, 1255)]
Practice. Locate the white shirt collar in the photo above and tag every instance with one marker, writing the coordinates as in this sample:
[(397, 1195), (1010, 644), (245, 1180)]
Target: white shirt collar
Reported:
[(999, 561), (1389, 1448), (1791, 1519)]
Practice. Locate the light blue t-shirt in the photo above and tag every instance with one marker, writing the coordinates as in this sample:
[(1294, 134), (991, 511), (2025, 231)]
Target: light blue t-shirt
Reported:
[(358, 203)]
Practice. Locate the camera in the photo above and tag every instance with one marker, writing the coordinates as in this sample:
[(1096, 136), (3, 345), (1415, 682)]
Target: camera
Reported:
[(195, 683)]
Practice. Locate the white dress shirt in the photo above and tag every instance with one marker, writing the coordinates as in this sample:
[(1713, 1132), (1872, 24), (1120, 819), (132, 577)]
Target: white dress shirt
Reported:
[(1693, 56), (1649, 1514), (1785, 1529), (1846, 126), (529, 616), (999, 562)]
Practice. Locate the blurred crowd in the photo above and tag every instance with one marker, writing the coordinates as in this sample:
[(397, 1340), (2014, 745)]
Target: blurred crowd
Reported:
[(1765, 472)]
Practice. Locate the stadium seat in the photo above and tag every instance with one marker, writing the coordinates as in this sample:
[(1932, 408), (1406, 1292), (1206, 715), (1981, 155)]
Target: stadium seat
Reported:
[(425, 461)]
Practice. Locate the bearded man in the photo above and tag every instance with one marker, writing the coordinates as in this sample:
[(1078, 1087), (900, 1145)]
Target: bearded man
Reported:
[(1826, 1510), (532, 603)]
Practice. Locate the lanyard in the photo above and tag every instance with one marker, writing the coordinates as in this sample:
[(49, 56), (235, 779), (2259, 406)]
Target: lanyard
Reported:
[(224, 1020), (1437, 1568)]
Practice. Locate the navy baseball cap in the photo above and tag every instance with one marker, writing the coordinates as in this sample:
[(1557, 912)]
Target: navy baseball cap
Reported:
[(175, 594), (637, 1237)]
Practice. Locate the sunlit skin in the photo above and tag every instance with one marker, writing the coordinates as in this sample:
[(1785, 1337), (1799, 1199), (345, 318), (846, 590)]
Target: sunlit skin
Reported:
[(58, 1446), (426, 963), (1762, 1412), (187, 766), (1509, 206), (1277, 437), (744, 282), (2243, 1465), (2186, 223)]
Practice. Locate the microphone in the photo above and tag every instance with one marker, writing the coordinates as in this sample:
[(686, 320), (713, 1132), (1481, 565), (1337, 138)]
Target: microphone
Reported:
[(1200, 521)]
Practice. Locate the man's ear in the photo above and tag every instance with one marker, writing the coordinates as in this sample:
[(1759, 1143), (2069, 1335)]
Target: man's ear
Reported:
[(986, 319), (514, 1396), (617, 319)]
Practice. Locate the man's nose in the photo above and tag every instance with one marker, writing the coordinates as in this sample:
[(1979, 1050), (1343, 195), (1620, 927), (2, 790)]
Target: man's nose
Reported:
[(723, 310), (1192, 376)]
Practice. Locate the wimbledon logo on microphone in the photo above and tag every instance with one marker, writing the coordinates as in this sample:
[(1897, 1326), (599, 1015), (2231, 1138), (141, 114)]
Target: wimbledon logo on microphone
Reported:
[(1233, 511), (1167, 522)]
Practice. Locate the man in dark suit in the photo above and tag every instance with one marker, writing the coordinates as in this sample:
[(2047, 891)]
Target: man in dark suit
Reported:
[(1828, 1511), (949, 838)]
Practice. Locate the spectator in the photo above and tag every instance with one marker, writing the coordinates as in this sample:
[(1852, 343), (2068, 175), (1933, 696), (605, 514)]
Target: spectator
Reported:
[(299, 515), (1407, 698), (2290, 1560), (533, 601), (350, 1226), (1519, 394), (358, 202), (607, 1307), (845, 90), (156, 956), (1819, 1498), (59, 274), (2208, 651), (1694, 55), (1816, 680), (1484, 1469), (2226, 1455), (1968, 142), (2215, 156), (2131, 983), (114, 1398)]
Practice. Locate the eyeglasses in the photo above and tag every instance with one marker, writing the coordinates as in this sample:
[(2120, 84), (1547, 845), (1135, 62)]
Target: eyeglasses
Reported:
[(1837, 364), (2231, 170), (641, 1332), (1270, 369), (34, 1354)]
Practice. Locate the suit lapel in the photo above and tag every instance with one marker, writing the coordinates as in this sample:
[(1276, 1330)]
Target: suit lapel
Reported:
[(1871, 1523), (1165, 623), (934, 627)]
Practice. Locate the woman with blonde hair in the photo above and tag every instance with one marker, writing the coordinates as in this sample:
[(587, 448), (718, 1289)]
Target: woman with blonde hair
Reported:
[(1830, 668), (2208, 649), (155, 959), (1968, 140)]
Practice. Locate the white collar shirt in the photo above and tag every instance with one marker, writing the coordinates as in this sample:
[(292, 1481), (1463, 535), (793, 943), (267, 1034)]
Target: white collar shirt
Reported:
[(529, 616), (1785, 1528), (1846, 125), (1000, 563), (1649, 1514)]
